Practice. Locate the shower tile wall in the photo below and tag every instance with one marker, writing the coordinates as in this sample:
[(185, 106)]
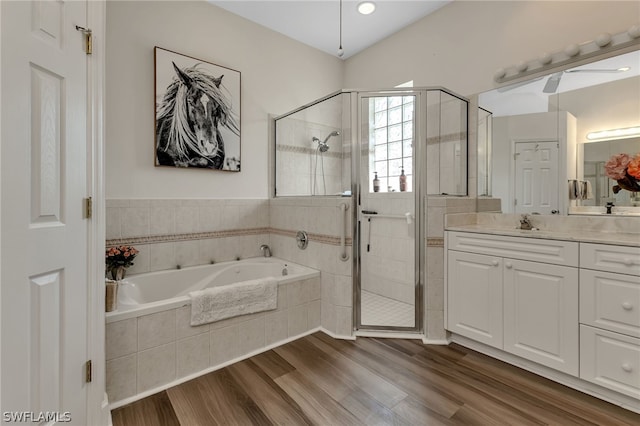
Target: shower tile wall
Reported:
[(298, 164), (437, 207), (388, 266), (187, 232), (321, 218)]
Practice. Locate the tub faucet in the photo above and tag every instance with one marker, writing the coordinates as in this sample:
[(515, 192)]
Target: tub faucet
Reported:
[(525, 222), (266, 251)]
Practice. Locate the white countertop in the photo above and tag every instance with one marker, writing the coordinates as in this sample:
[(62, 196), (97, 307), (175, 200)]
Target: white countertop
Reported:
[(583, 236)]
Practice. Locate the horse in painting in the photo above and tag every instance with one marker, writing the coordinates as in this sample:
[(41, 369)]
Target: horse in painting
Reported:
[(188, 120)]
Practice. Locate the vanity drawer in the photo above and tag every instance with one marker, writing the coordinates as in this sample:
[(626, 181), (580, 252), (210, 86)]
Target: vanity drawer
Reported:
[(602, 257), (524, 248), (610, 301), (611, 360)]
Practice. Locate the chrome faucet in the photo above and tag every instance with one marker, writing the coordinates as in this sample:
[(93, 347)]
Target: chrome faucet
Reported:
[(525, 222), (266, 251)]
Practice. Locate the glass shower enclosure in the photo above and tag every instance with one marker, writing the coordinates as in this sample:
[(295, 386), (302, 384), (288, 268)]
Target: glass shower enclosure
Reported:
[(389, 150)]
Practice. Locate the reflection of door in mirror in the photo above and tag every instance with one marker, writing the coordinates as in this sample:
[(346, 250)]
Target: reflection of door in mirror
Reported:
[(536, 177), (526, 180)]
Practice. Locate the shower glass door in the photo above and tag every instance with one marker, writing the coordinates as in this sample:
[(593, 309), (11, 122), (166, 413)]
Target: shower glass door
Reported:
[(387, 277)]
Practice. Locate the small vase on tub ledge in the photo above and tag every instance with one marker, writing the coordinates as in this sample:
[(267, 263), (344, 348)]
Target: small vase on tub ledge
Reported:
[(117, 260)]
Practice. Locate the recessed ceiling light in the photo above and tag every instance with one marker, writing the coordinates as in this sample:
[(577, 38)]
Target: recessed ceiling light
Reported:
[(623, 69), (366, 7)]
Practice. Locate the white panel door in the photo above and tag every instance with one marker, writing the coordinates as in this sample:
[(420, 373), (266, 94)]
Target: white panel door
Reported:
[(541, 313), (474, 292), (44, 234), (536, 177)]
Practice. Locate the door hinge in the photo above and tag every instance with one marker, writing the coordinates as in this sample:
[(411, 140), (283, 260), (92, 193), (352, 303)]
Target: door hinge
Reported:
[(88, 208), (515, 202), (87, 377), (88, 39)]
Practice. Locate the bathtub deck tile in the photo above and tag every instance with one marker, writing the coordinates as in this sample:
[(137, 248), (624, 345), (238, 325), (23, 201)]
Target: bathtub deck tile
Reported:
[(192, 354), (156, 329), (313, 314), (121, 338), (297, 320), (183, 324), (224, 344), (276, 327), (156, 366), (251, 335), (121, 377)]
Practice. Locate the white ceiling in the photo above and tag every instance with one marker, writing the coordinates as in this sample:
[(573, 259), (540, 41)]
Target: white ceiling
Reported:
[(316, 22)]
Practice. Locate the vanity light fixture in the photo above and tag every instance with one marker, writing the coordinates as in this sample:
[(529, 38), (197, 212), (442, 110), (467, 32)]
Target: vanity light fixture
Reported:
[(366, 7), (629, 132), (604, 43)]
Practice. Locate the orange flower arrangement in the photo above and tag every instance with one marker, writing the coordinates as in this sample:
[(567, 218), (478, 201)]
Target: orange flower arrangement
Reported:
[(633, 169), (624, 170)]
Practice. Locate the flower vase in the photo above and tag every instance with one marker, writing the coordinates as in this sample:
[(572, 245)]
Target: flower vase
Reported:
[(116, 273), (111, 296)]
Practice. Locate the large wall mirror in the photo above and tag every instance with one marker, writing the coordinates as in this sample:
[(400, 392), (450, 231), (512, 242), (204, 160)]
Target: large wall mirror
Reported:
[(540, 141)]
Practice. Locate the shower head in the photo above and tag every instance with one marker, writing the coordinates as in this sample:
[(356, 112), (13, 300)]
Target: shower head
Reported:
[(323, 146), (334, 133)]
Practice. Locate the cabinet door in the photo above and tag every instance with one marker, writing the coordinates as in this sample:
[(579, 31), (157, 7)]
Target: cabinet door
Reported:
[(475, 297), (541, 313)]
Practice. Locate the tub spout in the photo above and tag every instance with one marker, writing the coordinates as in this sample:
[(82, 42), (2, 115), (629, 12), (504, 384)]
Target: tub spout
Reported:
[(266, 251)]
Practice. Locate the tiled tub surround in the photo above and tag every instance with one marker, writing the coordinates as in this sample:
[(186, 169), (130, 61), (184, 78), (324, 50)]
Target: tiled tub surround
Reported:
[(321, 217), (152, 352), (187, 232)]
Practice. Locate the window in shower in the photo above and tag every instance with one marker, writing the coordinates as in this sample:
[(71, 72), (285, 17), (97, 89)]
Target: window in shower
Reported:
[(391, 128)]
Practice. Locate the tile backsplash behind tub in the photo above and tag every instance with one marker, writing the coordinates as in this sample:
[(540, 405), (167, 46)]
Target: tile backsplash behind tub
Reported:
[(187, 232)]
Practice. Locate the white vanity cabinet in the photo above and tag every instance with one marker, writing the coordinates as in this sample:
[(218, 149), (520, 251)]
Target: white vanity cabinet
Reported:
[(515, 294), (610, 317)]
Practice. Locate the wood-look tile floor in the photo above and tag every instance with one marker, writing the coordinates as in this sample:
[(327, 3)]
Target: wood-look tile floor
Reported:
[(321, 381)]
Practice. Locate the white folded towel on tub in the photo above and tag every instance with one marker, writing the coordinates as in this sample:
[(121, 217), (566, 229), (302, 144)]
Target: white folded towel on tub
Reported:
[(247, 297)]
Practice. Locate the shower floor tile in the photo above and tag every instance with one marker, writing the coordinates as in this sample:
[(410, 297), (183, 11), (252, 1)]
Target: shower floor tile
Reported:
[(380, 310)]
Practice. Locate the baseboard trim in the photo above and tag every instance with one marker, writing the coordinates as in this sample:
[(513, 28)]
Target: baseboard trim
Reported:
[(336, 336), (141, 395), (440, 342), (624, 401), (388, 334)]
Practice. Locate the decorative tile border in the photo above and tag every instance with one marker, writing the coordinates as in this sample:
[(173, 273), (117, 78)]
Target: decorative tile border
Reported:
[(155, 239), (320, 238), (435, 242), (447, 138), (306, 150)]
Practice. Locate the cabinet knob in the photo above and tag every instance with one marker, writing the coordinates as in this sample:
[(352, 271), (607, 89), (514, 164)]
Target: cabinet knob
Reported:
[(628, 262), (508, 265), (627, 367), (495, 262), (627, 306)]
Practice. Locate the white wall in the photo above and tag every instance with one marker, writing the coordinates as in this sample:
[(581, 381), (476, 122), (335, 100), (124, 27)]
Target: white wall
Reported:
[(462, 44), (278, 74)]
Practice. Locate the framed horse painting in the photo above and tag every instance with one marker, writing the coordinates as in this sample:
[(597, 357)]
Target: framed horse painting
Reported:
[(197, 110)]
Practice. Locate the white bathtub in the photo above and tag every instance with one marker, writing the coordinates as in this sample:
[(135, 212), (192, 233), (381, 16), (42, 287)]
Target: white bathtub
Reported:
[(152, 292)]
